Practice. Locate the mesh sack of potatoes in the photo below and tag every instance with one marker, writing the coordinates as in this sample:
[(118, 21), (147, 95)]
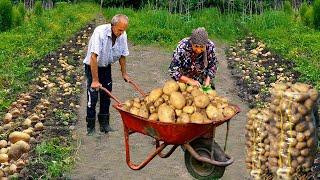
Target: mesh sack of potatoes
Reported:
[(177, 102), (257, 142), (293, 132)]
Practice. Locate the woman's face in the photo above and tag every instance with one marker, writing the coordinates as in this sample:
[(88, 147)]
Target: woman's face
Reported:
[(198, 49)]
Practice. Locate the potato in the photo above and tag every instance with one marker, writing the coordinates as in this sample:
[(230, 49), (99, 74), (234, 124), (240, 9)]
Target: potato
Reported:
[(28, 131), (7, 118), (300, 87), (4, 158), (305, 152), (183, 119), (188, 109), (17, 136), (196, 92), (201, 101), (39, 126), (301, 137), (166, 114), (311, 142), (301, 145), (155, 94), (143, 112), (178, 112), (158, 102), (182, 86), (153, 117), (128, 103), (313, 94), (301, 127), (17, 149), (134, 110), (34, 118), (136, 104), (197, 117), (170, 86), (302, 110), (308, 104), (152, 109), (190, 88), (12, 169), (3, 143), (228, 112), (177, 100), (165, 97), (27, 123)]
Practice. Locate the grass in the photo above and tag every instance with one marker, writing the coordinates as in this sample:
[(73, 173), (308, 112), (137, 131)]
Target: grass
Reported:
[(159, 27), (56, 155), (20, 46), (283, 33)]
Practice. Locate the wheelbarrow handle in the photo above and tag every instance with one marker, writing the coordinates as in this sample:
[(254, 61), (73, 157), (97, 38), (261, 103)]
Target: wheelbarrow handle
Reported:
[(109, 94), (136, 87)]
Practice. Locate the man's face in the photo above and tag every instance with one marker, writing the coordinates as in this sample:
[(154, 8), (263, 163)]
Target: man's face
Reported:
[(119, 28), (197, 48)]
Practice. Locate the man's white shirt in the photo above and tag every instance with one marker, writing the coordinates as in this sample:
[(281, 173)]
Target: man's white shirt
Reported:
[(100, 43)]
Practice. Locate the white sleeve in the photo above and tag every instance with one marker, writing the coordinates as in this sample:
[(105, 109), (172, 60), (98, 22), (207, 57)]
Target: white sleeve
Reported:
[(96, 43), (125, 49)]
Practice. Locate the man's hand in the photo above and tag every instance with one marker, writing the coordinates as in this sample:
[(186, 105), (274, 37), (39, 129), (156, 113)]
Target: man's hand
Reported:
[(95, 85), (126, 77)]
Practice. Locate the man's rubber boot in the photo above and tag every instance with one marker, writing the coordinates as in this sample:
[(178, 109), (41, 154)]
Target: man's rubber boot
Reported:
[(90, 126), (104, 123)]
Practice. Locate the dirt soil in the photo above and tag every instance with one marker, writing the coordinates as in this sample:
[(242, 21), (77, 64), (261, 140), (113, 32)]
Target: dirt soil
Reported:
[(103, 156)]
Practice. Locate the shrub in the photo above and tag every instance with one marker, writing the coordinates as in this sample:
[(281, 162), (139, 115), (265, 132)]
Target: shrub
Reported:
[(17, 18), (38, 10), (309, 17), (316, 14), (287, 8), (22, 9), (5, 15)]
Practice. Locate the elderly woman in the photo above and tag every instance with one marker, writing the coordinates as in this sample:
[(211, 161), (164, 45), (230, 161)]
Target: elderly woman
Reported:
[(194, 60)]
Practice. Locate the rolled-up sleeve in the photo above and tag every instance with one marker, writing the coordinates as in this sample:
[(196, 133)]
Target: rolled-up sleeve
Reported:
[(175, 66), (212, 62), (125, 49), (96, 43)]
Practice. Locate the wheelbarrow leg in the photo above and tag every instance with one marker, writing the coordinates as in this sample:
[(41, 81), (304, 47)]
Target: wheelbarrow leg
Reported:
[(147, 160), (169, 153)]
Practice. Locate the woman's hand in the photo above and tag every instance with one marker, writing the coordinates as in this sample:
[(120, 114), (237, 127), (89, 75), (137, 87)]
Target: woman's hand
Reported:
[(207, 81)]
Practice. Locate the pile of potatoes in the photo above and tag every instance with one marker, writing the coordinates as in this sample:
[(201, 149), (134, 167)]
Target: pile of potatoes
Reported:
[(258, 144), (177, 102), (284, 132), (293, 128)]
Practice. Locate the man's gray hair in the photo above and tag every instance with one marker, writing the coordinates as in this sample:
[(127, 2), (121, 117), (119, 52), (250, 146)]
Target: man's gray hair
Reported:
[(199, 36), (115, 19)]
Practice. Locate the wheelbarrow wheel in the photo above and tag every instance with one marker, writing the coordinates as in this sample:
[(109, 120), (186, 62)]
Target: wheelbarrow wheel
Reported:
[(201, 170)]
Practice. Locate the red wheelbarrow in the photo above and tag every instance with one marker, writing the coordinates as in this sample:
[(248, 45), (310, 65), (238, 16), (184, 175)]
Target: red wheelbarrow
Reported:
[(204, 158)]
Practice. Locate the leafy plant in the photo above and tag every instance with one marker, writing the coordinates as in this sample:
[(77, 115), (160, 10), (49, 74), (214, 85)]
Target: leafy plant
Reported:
[(316, 14), (5, 15), (38, 10)]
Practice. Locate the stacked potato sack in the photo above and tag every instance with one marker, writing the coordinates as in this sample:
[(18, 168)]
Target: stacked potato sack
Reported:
[(258, 144), (177, 102), (292, 133)]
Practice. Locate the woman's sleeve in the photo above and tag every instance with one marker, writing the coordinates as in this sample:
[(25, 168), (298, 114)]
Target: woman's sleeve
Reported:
[(212, 62), (175, 66)]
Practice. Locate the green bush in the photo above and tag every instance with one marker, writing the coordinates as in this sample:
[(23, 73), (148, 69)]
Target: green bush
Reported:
[(309, 17), (316, 14), (287, 8), (17, 17), (38, 10), (22, 9), (5, 15)]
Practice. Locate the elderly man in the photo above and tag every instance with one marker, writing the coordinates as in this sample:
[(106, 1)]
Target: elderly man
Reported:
[(194, 60), (107, 45)]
